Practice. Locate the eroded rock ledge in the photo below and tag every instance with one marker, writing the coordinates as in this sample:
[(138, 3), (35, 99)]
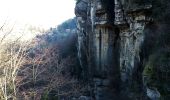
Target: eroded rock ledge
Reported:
[(110, 41)]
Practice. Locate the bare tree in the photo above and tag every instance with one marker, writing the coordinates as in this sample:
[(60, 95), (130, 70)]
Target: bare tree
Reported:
[(12, 54)]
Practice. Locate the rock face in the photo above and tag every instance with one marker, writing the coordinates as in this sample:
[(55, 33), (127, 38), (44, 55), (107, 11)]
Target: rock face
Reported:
[(110, 41)]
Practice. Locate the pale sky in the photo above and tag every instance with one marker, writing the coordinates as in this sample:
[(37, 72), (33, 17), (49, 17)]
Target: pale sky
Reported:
[(41, 13)]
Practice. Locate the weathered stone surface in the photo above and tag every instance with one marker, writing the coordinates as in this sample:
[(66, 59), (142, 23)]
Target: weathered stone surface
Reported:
[(153, 94), (109, 50)]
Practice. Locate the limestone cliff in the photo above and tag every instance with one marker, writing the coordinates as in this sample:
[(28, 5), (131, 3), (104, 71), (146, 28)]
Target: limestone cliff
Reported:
[(110, 43)]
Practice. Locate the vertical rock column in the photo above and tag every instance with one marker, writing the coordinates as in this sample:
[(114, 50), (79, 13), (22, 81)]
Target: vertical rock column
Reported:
[(131, 43), (104, 46), (81, 10)]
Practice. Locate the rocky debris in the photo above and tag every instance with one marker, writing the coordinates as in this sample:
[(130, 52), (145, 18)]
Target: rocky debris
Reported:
[(153, 94)]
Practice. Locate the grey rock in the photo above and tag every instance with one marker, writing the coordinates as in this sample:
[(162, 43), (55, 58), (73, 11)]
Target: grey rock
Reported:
[(110, 54), (153, 94), (84, 98), (81, 8)]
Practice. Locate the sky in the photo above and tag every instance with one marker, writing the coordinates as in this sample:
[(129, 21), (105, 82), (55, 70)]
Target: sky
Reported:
[(40, 13)]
